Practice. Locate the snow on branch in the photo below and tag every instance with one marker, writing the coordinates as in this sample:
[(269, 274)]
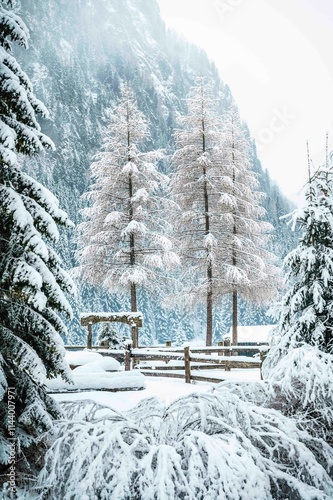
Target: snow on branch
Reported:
[(25, 356), (201, 446), (13, 27), (304, 374)]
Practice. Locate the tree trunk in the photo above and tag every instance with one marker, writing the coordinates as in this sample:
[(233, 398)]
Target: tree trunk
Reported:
[(209, 329), (328, 339), (234, 254), (135, 336), (234, 318), (209, 332)]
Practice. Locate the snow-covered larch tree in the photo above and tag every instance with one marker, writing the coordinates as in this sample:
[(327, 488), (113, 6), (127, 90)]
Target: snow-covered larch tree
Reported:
[(124, 240), (220, 233), (32, 281), (196, 187), (247, 266), (305, 312)]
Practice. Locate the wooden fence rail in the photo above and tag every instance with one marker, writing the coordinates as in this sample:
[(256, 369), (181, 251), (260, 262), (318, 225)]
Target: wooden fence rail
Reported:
[(190, 359)]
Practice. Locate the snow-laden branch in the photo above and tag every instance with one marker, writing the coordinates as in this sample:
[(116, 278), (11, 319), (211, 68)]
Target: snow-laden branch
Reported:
[(218, 445)]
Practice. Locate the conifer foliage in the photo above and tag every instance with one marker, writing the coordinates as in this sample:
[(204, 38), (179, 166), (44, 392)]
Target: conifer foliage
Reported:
[(196, 185), (300, 360), (219, 227), (221, 445), (248, 267), (32, 281), (305, 312), (124, 240)]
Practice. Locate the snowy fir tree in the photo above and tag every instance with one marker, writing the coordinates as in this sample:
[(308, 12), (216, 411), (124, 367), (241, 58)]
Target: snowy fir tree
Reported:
[(299, 363), (110, 337), (305, 313), (124, 239), (196, 186), (146, 339), (247, 265), (32, 281), (180, 336)]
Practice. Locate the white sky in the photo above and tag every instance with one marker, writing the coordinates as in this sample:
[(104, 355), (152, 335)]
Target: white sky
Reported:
[(277, 58)]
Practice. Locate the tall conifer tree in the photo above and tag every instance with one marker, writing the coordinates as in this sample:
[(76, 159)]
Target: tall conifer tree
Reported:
[(248, 269), (305, 312), (124, 240), (218, 224), (32, 281), (196, 187)]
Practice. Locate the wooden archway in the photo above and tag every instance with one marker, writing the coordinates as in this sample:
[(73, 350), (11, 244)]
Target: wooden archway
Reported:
[(133, 319)]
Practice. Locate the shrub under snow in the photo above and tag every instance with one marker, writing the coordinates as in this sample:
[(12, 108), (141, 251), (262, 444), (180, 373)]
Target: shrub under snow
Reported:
[(204, 446), (302, 385)]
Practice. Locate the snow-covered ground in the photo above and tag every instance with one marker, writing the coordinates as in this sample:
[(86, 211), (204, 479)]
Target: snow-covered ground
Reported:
[(94, 372), (201, 440), (168, 390), (121, 381)]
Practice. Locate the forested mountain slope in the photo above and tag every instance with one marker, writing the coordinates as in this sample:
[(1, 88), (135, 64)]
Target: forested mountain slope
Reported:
[(80, 52)]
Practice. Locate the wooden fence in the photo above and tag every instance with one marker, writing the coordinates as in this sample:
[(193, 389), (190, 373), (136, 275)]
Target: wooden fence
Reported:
[(223, 357), (191, 361)]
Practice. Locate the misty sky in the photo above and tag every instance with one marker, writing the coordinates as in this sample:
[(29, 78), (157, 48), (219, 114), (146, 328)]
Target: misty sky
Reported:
[(276, 56)]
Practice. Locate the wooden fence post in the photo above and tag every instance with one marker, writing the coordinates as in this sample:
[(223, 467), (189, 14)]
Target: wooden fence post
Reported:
[(89, 340), (128, 358), (135, 337), (168, 343), (226, 343), (263, 355), (187, 365), (220, 344)]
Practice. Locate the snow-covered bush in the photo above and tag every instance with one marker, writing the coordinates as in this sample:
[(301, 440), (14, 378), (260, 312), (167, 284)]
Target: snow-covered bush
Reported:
[(201, 446), (304, 374), (301, 384)]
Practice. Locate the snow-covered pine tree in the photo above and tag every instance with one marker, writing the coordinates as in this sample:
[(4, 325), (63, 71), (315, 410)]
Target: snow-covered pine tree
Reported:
[(124, 238), (180, 336), (305, 312), (111, 337), (162, 325), (196, 186), (248, 269), (32, 281), (300, 360)]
